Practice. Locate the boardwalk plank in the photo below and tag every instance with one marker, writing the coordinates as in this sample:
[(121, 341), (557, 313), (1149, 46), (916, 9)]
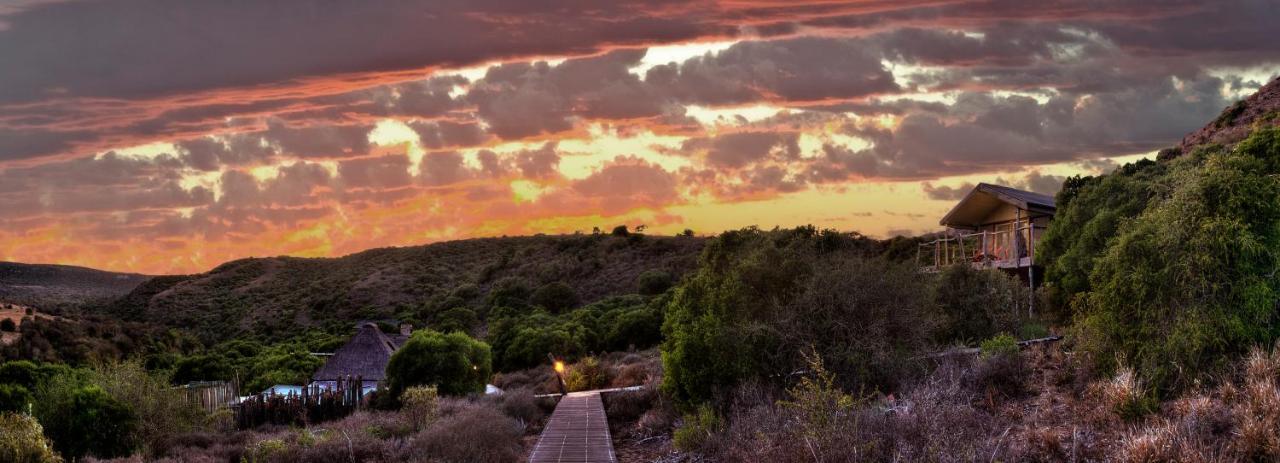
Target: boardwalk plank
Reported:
[(577, 432)]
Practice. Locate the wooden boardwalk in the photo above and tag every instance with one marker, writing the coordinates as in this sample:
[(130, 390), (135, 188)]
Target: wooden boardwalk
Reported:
[(577, 432)]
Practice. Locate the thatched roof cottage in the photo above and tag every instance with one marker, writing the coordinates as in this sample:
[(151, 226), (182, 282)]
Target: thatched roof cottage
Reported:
[(365, 356)]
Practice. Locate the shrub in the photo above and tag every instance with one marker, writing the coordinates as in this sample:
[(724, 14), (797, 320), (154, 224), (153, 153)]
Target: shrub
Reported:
[(14, 398), (653, 282), (476, 434), (759, 299), (84, 420), (1188, 284), (21, 373), (696, 429), (586, 375), (1001, 369), (162, 412), (22, 440), (420, 404), (999, 345), (8, 325), (620, 230), (556, 297), (455, 363), (977, 304)]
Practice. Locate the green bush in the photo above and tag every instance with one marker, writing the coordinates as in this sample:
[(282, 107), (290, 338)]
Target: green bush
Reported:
[(455, 363), (1189, 283), (586, 375), (999, 345), (84, 420), (14, 398), (162, 412), (556, 297), (22, 440), (760, 299), (23, 373), (697, 429), (653, 282), (976, 304)]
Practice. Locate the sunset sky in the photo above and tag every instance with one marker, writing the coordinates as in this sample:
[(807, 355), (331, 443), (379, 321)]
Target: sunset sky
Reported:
[(165, 136)]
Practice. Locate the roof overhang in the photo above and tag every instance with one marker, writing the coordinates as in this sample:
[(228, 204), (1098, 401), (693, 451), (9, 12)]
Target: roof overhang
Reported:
[(985, 198)]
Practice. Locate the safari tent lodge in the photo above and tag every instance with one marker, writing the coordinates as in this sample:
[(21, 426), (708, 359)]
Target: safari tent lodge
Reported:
[(994, 227)]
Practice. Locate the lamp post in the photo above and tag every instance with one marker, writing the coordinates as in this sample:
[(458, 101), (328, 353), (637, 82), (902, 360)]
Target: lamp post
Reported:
[(558, 366)]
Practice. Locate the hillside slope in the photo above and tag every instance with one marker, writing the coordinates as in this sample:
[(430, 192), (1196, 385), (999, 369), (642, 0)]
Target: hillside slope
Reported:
[(1236, 121), (59, 286), (277, 297)]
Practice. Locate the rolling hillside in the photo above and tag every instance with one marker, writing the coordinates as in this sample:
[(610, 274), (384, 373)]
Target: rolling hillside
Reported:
[(276, 297), (52, 287)]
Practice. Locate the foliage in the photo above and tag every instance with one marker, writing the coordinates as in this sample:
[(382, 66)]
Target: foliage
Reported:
[(1090, 212), (586, 375), (620, 230), (8, 325), (162, 412), (698, 427), (556, 297), (760, 298), (455, 363), (817, 401), (976, 304), (14, 398), (22, 440), (523, 340), (420, 404), (83, 419), (1189, 282), (653, 282), (998, 345)]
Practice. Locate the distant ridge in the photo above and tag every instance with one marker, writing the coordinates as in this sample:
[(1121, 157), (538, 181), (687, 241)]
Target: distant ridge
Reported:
[(52, 286)]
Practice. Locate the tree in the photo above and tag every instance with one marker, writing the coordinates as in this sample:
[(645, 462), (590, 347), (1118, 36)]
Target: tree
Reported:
[(620, 230), (653, 282), (84, 420), (8, 325), (455, 363), (556, 297)]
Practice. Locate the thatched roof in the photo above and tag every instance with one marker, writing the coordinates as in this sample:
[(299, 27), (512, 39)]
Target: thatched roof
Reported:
[(365, 355)]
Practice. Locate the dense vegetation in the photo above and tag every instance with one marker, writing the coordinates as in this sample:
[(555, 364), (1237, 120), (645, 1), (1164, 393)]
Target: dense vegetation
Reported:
[(761, 299), (271, 299), (454, 363), (1173, 270)]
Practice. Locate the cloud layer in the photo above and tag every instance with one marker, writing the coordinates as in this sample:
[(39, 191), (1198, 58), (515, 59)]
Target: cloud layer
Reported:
[(157, 136)]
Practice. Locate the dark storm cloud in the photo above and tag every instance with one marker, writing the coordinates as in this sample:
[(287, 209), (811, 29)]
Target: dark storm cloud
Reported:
[(801, 69), (118, 48)]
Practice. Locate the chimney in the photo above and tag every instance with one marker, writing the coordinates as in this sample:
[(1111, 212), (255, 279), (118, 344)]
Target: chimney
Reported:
[(406, 329)]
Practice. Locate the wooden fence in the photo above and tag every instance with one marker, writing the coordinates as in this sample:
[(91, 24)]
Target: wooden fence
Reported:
[(313, 405), (210, 395)]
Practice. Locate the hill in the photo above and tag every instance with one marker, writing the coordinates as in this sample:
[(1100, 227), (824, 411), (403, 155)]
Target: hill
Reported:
[(1262, 109), (277, 297), (52, 287)]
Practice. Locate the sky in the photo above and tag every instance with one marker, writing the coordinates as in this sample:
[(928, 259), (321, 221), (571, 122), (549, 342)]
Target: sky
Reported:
[(162, 136)]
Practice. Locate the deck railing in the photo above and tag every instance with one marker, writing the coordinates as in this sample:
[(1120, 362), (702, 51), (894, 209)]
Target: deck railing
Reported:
[(986, 248)]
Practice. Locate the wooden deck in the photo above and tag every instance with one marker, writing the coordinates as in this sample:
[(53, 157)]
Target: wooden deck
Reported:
[(577, 432)]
